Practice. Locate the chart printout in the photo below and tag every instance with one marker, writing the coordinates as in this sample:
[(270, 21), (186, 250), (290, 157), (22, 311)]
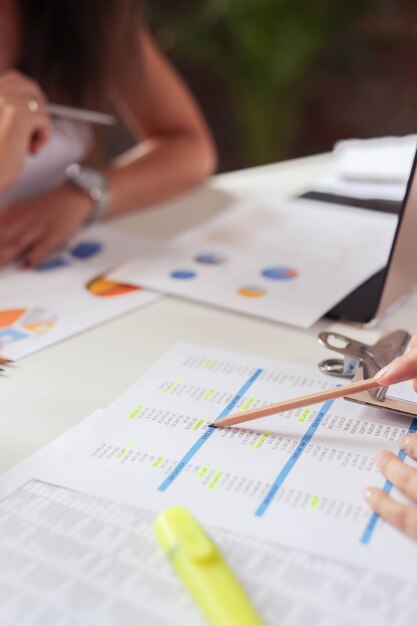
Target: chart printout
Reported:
[(69, 557), (287, 261), (68, 292), (296, 478)]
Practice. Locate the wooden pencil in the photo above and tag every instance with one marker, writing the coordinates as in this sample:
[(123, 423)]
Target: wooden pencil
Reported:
[(297, 403)]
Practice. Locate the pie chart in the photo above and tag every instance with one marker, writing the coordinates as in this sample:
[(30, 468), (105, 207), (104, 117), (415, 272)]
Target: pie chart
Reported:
[(105, 288), (279, 272), (210, 258), (21, 323), (183, 274), (251, 292)]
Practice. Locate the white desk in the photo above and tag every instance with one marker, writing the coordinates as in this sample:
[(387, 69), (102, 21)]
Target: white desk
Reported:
[(48, 392)]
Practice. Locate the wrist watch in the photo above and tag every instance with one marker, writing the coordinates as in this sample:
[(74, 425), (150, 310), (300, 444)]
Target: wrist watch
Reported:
[(95, 184)]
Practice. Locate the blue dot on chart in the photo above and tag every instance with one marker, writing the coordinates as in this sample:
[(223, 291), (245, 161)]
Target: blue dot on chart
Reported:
[(210, 258), (86, 249), (52, 264), (279, 273), (183, 274)]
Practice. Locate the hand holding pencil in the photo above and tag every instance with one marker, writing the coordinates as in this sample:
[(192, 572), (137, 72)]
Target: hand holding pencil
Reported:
[(401, 369), (297, 403)]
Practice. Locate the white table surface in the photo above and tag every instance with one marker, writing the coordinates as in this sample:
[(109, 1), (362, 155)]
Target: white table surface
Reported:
[(48, 392)]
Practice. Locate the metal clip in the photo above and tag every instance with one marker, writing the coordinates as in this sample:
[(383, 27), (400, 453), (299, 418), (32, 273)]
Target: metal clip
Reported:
[(371, 357)]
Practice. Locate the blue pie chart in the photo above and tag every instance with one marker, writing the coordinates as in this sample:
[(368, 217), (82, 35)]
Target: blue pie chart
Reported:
[(183, 274), (279, 273)]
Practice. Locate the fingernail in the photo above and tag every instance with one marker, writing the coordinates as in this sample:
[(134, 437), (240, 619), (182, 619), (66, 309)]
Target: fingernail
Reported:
[(385, 370), (368, 493), (403, 441), (379, 457)]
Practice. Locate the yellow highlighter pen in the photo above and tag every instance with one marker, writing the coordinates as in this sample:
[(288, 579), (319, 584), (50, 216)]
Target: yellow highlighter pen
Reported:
[(203, 570)]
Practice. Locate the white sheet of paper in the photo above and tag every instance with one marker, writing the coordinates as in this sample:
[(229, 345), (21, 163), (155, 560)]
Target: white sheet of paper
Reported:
[(402, 391), (287, 261), (69, 557), (383, 159), (65, 295), (370, 168), (333, 183), (297, 479)]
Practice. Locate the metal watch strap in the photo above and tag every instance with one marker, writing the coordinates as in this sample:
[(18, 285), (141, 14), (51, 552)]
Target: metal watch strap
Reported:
[(95, 184)]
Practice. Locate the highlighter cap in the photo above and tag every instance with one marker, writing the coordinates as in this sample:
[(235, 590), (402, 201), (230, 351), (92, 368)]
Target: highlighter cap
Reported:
[(177, 530)]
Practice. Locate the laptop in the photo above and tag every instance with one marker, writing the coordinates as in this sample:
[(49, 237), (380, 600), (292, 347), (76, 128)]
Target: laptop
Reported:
[(373, 297)]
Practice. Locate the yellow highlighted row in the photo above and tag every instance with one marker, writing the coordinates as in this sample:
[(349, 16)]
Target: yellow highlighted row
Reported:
[(247, 405), (207, 363), (208, 394), (135, 412), (303, 416), (198, 424), (260, 440), (172, 387), (123, 453), (314, 502), (215, 480)]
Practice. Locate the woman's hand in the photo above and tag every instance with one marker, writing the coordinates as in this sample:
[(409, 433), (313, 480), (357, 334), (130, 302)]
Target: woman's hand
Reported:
[(403, 516), (402, 476), (31, 229), (24, 124)]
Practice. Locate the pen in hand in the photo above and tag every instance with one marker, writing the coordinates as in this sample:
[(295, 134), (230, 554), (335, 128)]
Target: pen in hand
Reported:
[(82, 115)]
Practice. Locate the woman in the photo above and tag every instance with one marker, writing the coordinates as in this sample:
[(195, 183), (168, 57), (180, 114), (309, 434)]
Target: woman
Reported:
[(403, 516), (94, 54)]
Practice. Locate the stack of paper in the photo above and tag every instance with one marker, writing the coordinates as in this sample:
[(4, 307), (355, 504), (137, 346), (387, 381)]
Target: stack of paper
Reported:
[(83, 546), (371, 168)]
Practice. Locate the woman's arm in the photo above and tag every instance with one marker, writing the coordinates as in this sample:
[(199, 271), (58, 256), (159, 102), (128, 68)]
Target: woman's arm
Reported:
[(176, 153), (177, 150)]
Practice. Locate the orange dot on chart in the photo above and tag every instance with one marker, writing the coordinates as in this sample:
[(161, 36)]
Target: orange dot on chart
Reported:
[(251, 292), (10, 316), (292, 273), (103, 287)]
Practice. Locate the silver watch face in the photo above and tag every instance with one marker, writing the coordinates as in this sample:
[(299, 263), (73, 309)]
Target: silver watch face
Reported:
[(91, 179), (94, 183)]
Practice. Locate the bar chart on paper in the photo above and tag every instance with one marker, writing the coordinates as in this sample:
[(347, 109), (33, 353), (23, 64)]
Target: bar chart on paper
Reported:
[(298, 478)]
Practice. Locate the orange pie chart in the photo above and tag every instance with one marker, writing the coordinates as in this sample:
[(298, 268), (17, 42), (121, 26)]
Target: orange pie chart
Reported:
[(251, 292)]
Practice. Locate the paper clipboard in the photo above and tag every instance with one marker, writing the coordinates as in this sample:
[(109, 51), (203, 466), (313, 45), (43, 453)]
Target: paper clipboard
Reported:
[(366, 360), (399, 406)]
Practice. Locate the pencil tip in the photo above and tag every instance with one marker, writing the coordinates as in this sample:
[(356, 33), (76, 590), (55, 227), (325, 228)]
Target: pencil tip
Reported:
[(211, 425)]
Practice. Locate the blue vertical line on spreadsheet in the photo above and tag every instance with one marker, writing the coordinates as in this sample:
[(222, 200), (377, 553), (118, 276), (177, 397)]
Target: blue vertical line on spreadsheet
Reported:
[(208, 433), (373, 520), (289, 465)]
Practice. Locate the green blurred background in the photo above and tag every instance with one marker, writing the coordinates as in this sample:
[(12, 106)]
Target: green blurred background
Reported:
[(285, 78)]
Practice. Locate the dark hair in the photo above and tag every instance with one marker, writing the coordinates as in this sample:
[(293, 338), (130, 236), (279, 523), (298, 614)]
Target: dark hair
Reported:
[(75, 48)]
